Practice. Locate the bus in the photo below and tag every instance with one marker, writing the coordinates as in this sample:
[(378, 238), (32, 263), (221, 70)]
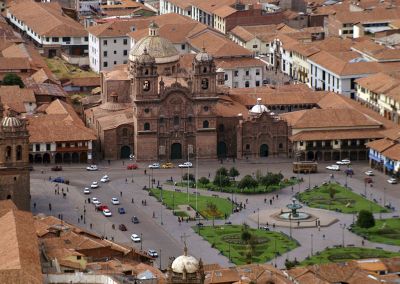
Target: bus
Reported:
[(305, 167)]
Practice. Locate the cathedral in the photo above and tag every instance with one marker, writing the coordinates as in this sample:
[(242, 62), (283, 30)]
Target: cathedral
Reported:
[(165, 106)]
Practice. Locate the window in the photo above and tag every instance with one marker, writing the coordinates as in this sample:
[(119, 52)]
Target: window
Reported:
[(105, 64), (115, 52), (205, 108), (183, 46), (125, 52), (236, 73), (19, 153), (280, 145), (55, 39), (301, 143), (86, 38), (105, 42), (47, 39), (176, 120), (221, 128), (206, 124), (247, 146), (48, 147), (125, 41), (190, 119), (226, 77), (66, 38), (105, 53), (115, 62), (257, 83), (161, 120), (257, 71), (247, 72), (247, 84), (124, 131), (8, 153), (115, 41), (37, 147), (146, 126)]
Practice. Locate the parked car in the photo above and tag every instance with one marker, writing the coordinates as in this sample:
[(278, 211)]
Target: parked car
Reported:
[(131, 157), (265, 228), (95, 201), (392, 180), (122, 227), (94, 184), (56, 168), (333, 168), (186, 165), (102, 207), (154, 166), (107, 213), (115, 201), (121, 210), (132, 167), (344, 162), (369, 173), (135, 220), (86, 190), (92, 168), (152, 253), (135, 238), (60, 180), (105, 179), (167, 166)]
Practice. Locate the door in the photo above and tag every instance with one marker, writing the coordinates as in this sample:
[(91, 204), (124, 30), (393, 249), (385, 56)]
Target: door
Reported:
[(221, 149), (176, 151), (264, 150), (125, 152)]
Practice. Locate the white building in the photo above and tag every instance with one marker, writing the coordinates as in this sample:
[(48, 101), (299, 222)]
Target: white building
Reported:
[(87, 7), (109, 44), (241, 72)]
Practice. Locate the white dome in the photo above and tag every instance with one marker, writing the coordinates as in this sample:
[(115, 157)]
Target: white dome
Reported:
[(259, 108), (185, 263), (11, 122), (203, 56)]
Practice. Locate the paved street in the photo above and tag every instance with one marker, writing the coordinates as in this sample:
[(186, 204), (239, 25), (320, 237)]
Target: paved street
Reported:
[(168, 237)]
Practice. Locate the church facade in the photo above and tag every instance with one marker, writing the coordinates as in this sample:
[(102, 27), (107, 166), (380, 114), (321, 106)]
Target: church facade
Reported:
[(168, 109)]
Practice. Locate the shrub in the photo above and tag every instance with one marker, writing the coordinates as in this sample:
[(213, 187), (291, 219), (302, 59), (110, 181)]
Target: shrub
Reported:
[(233, 172), (365, 219), (191, 177), (11, 79), (204, 180), (247, 182)]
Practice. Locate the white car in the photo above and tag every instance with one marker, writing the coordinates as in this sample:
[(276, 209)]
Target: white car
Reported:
[(86, 190), (186, 165), (94, 184), (369, 173), (333, 168), (92, 168), (392, 180), (154, 166), (152, 253), (107, 213), (131, 157), (105, 179), (343, 162), (135, 238), (115, 201), (95, 201)]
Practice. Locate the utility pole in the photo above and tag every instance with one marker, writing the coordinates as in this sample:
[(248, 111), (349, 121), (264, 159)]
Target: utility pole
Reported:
[(141, 241), (161, 208), (187, 189), (312, 245), (258, 218)]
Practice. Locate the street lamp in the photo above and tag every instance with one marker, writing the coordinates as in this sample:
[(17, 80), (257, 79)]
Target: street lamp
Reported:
[(161, 208), (290, 225), (312, 245), (343, 226), (187, 189), (258, 218), (309, 179), (141, 241)]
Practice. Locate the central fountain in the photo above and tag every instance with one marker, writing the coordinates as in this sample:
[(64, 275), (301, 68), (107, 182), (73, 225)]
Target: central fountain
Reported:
[(294, 214)]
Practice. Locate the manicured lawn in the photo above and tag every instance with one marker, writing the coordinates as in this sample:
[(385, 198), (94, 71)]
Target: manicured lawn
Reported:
[(268, 244), (64, 70), (258, 190), (386, 231), (344, 200), (173, 199), (345, 254)]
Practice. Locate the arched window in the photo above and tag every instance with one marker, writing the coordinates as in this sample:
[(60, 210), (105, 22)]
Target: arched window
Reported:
[(8, 153), (247, 146), (176, 120), (206, 124), (280, 145), (221, 128), (19, 153), (204, 69), (146, 126), (124, 131)]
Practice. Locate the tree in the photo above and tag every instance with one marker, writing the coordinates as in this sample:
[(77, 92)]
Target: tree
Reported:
[(191, 177), (204, 180), (332, 191), (247, 182), (212, 210), (221, 171), (11, 79), (233, 172), (221, 181), (365, 219)]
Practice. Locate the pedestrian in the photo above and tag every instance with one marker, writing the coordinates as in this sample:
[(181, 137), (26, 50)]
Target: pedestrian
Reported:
[(319, 228), (209, 175), (132, 180), (145, 172), (298, 223), (112, 238), (247, 201), (67, 189), (81, 217), (292, 188), (120, 193), (265, 200), (362, 242), (277, 196), (244, 206), (154, 214), (55, 191), (85, 201), (123, 163), (50, 206), (113, 226), (323, 237), (88, 200), (34, 205), (133, 201), (91, 225), (270, 202), (109, 162), (273, 197), (126, 180)]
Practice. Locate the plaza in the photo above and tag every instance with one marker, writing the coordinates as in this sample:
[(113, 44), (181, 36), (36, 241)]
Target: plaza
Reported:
[(160, 229)]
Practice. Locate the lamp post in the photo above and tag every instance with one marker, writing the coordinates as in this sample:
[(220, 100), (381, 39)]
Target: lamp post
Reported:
[(187, 189), (309, 179), (84, 214), (312, 245), (290, 225), (258, 218), (345, 184), (161, 208), (342, 226), (384, 196), (160, 259), (141, 241), (173, 202)]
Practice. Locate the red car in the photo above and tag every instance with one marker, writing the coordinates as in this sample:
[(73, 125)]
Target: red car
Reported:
[(102, 207), (132, 167)]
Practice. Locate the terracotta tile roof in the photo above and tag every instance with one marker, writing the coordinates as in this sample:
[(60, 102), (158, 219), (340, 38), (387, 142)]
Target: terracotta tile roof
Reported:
[(336, 134), (247, 33), (116, 119), (211, 6), (227, 275), (393, 134), (380, 145), (387, 83), (113, 29), (84, 82), (19, 250), (226, 107), (47, 89), (368, 16), (13, 63), (377, 51), (15, 98), (47, 19), (224, 11), (233, 63), (373, 264), (181, 3), (15, 50), (392, 152)]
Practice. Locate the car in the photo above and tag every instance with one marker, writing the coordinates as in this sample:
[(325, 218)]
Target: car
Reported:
[(95, 201), (369, 173), (107, 213), (167, 166), (186, 165), (94, 184), (56, 168), (115, 201), (135, 238), (392, 180), (86, 190), (135, 220), (132, 167), (265, 228), (102, 207), (154, 166), (60, 180), (333, 168), (105, 179), (152, 253), (92, 168), (200, 224), (122, 227), (344, 162), (121, 210)]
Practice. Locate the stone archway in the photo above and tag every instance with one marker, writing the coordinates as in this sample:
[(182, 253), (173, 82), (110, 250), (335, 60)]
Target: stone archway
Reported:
[(67, 158), (58, 158), (125, 152), (318, 156), (310, 156), (83, 157), (38, 159), (176, 151), (75, 157), (264, 150), (46, 158), (30, 158), (221, 149)]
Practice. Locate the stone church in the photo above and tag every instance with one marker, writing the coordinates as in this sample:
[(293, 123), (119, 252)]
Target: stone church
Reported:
[(165, 106)]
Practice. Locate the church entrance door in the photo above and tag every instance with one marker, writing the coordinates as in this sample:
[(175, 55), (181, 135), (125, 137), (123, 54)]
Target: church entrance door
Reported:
[(221, 149), (176, 151), (125, 152), (264, 150)]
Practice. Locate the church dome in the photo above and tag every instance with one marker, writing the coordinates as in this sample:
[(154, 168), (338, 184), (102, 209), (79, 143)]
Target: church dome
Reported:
[(11, 122), (145, 58), (259, 108), (158, 47), (203, 56), (185, 264)]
